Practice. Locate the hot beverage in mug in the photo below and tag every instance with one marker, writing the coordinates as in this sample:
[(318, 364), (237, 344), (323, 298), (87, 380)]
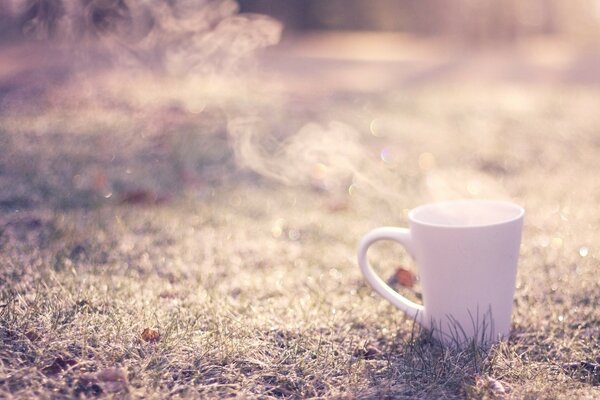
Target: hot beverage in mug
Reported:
[(466, 252)]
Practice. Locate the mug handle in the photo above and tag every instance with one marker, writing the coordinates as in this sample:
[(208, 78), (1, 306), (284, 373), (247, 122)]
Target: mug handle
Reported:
[(402, 236)]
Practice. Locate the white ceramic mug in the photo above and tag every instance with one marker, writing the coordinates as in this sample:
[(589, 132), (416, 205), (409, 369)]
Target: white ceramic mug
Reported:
[(466, 252)]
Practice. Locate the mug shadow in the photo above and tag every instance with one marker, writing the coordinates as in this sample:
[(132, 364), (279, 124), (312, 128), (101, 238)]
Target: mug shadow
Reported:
[(422, 366)]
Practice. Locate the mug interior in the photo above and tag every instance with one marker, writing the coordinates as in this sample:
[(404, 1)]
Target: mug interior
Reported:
[(466, 213)]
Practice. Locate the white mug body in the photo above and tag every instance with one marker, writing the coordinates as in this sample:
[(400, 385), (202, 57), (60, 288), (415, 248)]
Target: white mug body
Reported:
[(466, 253)]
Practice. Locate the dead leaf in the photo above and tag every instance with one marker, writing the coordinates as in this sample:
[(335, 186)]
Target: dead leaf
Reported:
[(338, 204), (402, 277), (367, 352), (100, 181), (494, 387), (150, 335), (58, 365), (143, 196), (497, 387), (32, 335), (167, 294)]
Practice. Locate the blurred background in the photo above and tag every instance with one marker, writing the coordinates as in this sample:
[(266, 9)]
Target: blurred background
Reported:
[(469, 20), (214, 90), (220, 88)]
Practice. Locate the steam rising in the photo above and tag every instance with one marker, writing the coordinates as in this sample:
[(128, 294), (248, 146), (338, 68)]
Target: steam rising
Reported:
[(191, 53), (171, 36), (184, 67), (309, 156), (332, 158)]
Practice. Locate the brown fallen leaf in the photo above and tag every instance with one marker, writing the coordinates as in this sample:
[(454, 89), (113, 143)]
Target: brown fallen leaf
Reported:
[(58, 365), (167, 294), (337, 204), (402, 277), (150, 335), (32, 335), (366, 351), (497, 387), (142, 196), (100, 181), (492, 386)]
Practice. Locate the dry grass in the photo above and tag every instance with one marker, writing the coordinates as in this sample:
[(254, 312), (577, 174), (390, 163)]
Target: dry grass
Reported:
[(252, 285)]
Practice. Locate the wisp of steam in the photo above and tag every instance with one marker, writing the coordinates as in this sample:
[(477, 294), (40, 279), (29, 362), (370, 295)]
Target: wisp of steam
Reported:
[(187, 65), (171, 36)]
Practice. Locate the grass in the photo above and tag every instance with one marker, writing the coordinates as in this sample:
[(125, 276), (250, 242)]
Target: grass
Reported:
[(117, 219)]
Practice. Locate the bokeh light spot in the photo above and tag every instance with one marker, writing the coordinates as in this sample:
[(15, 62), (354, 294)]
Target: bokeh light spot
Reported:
[(352, 189), (375, 128), (386, 155), (474, 187), (426, 161), (277, 228), (319, 171)]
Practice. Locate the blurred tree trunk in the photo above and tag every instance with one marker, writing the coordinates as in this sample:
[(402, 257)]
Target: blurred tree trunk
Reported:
[(476, 21), (473, 21), (293, 14), (7, 19), (549, 17)]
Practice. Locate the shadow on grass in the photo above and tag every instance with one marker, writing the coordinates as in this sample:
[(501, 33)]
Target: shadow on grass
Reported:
[(422, 367)]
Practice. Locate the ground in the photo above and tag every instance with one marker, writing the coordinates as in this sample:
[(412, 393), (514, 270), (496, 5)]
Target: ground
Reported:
[(166, 238)]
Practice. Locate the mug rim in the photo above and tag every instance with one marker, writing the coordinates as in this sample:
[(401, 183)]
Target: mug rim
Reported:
[(520, 212)]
